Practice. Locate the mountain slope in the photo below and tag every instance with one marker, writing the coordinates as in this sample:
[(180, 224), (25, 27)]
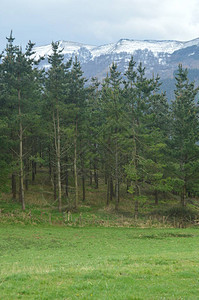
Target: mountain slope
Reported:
[(160, 57)]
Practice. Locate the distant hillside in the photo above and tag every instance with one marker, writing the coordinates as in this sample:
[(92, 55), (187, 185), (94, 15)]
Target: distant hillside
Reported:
[(159, 57)]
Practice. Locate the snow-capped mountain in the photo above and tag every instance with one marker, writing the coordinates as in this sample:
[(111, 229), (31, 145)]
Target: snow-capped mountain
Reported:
[(160, 57)]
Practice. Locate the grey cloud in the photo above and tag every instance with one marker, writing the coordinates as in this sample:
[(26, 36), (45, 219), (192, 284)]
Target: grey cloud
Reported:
[(98, 22)]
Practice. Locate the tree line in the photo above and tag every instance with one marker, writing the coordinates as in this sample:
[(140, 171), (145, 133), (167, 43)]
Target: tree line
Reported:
[(122, 131)]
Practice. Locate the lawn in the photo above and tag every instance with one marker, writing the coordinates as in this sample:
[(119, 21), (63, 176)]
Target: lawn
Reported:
[(54, 262)]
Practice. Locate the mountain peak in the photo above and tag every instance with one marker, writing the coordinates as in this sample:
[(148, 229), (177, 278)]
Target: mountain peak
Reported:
[(123, 45), (158, 56)]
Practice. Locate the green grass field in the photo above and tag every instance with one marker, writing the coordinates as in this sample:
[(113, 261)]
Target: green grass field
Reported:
[(59, 262)]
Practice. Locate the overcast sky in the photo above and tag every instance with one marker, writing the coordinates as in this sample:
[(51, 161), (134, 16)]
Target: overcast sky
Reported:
[(97, 21)]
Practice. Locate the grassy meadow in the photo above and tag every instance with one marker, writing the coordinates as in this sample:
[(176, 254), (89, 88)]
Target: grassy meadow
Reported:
[(57, 262), (95, 252)]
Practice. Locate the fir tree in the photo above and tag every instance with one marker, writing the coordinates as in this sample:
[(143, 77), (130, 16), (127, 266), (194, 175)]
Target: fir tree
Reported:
[(184, 139), (56, 89), (18, 79)]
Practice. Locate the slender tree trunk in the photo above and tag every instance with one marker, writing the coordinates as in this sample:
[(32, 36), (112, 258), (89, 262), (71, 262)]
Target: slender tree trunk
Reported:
[(66, 174), (75, 167), (19, 189), (59, 163), (135, 160), (127, 185), (14, 186), (183, 196), (111, 188), (91, 175), (136, 208), (116, 179), (156, 197), (33, 171), (26, 174), (40, 153), (26, 182), (58, 156), (21, 166), (91, 178), (22, 199), (184, 188), (83, 188), (35, 167), (66, 181), (83, 175), (105, 177), (95, 168), (55, 184), (108, 192), (13, 178), (49, 161), (96, 177)]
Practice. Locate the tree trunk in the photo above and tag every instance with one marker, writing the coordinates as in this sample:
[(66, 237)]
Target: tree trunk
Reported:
[(95, 168), (117, 198), (19, 189), (83, 188), (22, 199), (127, 186), (21, 166), (156, 197), (55, 184), (26, 183), (14, 186), (105, 178), (136, 208), (59, 163), (75, 167), (183, 196), (95, 176), (33, 171), (26, 175), (91, 175), (58, 155), (111, 188), (108, 192), (35, 167), (66, 178), (116, 179), (49, 161)]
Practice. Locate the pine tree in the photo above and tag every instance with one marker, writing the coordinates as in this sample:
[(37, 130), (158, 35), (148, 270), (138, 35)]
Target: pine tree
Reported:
[(77, 101), (114, 131), (147, 112), (138, 90), (18, 78), (94, 121), (56, 89), (184, 138)]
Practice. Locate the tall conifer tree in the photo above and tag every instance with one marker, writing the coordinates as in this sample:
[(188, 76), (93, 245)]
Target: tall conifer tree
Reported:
[(185, 134)]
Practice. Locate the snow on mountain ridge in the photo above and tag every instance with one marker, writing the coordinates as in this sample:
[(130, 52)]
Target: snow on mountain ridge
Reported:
[(164, 46), (67, 46), (71, 47), (102, 50), (130, 46), (123, 45)]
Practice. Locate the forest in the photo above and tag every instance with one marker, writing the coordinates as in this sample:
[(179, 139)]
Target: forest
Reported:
[(121, 133)]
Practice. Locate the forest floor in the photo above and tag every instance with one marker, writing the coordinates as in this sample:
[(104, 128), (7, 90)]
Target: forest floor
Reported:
[(41, 208), (57, 262)]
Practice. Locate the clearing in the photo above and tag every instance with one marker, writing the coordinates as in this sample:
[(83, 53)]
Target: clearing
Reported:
[(59, 262)]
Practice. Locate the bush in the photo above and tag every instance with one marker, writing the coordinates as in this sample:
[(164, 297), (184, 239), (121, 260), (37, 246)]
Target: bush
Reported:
[(183, 213)]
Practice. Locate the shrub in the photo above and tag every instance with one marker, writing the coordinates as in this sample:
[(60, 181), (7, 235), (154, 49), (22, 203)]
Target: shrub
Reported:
[(184, 213)]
